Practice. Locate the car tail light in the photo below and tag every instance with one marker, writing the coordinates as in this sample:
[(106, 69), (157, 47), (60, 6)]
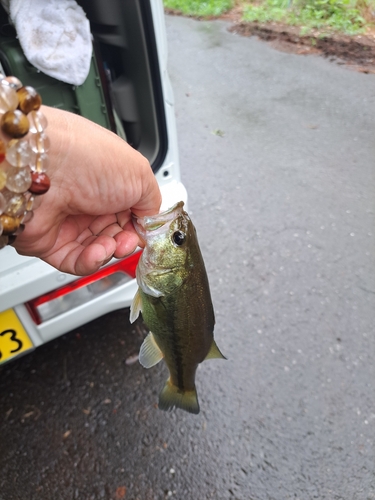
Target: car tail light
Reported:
[(83, 290)]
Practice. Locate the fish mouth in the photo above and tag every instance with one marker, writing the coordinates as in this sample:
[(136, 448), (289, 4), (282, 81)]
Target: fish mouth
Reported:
[(155, 222)]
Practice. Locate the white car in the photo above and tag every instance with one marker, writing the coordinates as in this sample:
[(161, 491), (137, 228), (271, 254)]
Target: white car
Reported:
[(128, 91)]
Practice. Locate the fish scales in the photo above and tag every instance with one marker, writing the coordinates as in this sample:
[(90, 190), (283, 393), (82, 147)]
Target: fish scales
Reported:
[(175, 301)]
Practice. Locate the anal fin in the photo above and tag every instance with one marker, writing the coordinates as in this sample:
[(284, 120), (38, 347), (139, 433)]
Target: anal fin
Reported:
[(150, 353)]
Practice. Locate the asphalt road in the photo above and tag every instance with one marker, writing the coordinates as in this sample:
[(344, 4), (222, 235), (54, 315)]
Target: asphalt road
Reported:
[(277, 152)]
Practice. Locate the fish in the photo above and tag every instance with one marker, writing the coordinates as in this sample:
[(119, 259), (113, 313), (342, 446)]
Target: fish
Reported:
[(175, 302)]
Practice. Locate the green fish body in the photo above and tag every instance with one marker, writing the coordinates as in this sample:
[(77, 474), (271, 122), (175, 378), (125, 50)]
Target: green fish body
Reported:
[(175, 301)]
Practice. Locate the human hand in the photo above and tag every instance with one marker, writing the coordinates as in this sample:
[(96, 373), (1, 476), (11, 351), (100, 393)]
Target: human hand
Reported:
[(97, 180)]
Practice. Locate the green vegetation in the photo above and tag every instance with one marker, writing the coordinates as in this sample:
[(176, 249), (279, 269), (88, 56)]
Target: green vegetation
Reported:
[(269, 10), (200, 8), (326, 15), (346, 16)]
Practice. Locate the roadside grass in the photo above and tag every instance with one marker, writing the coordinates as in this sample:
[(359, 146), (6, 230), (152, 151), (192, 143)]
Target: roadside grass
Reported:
[(344, 16), (325, 15), (199, 8)]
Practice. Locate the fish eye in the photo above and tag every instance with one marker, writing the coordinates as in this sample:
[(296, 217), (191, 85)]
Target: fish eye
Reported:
[(179, 238)]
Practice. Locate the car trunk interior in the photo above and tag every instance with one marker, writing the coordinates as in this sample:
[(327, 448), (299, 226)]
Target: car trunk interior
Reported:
[(123, 90)]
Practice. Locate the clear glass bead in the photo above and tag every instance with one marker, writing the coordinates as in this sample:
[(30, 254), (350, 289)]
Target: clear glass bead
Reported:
[(27, 217), (3, 203), (40, 163), (19, 153), (8, 99), (30, 202), (16, 206), (3, 178), (18, 179), (39, 143), (11, 81), (38, 122), (7, 194)]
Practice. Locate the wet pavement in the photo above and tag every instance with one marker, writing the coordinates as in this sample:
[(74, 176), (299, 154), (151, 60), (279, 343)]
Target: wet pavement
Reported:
[(277, 153)]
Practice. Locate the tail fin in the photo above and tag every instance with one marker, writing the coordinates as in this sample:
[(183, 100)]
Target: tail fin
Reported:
[(173, 397)]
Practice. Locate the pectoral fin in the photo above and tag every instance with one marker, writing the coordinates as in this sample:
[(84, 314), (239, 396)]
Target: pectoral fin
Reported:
[(136, 307), (150, 354), (214, 352)]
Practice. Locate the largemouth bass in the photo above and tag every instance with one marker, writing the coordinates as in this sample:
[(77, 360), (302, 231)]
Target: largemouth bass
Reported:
[(175, 301)]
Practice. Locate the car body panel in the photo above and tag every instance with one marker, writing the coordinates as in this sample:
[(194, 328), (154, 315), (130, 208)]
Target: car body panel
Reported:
[(23, 279)]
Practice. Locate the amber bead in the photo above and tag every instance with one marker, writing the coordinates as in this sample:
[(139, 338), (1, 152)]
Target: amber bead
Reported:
[(40, 183), (10, 224), (15, 124), (29, 99)]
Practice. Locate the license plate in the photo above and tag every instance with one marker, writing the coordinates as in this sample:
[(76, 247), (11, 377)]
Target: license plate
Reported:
[(13, 337)]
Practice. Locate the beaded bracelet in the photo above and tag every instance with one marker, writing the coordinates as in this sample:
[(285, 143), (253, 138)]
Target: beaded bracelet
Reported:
[(23, 156)]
